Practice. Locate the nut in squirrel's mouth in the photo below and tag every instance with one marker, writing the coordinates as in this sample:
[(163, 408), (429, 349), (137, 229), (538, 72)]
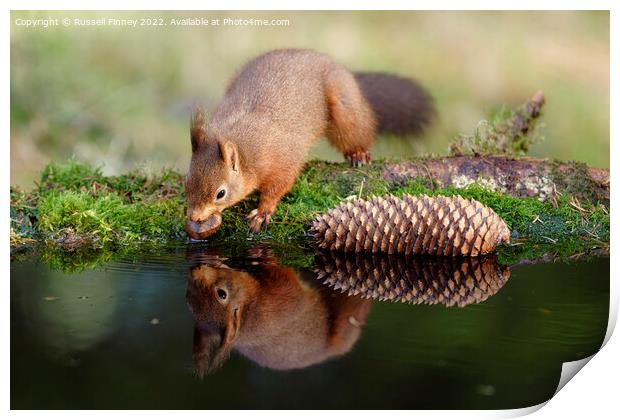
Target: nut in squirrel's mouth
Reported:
[(203, 229)]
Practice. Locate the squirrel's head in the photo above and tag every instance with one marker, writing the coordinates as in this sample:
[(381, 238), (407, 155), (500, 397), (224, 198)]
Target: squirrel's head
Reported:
[(216, 297), (214, 181)]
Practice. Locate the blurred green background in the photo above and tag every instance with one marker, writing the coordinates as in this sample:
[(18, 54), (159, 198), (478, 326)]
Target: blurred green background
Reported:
[(120, 96)]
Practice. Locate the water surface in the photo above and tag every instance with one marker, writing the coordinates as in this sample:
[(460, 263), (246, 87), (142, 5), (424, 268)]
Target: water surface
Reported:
[(153, 331)]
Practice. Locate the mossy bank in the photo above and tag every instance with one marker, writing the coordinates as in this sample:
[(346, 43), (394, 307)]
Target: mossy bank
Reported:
[(77, 212)]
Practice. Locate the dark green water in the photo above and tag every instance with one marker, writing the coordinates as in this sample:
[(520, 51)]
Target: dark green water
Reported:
[(134, 333)]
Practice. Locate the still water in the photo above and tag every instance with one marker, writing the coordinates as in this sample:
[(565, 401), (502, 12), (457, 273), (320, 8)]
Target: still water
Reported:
[(195, 327)]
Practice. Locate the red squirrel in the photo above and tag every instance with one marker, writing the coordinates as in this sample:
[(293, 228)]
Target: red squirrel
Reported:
[(274, 109)]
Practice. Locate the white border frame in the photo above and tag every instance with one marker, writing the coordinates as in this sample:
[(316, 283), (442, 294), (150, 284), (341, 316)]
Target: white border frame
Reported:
[(592, 394)]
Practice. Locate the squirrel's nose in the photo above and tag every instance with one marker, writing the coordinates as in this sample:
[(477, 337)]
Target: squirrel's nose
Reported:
[(197, 216)]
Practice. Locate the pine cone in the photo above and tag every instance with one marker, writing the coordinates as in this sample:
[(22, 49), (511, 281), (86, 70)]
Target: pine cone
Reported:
[(412, 279), (412, 225)]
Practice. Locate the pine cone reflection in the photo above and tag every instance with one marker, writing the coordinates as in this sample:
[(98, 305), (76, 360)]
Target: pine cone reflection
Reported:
[(415, 280)]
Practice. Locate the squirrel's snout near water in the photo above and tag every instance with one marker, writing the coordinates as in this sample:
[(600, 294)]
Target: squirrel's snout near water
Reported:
[(202, 229)]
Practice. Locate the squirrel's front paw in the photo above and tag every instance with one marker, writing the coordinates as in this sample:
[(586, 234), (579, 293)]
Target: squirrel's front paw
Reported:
[(259, 219)]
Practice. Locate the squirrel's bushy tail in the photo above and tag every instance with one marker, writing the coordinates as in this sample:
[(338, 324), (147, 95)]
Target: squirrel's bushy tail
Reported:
[(401, 105)]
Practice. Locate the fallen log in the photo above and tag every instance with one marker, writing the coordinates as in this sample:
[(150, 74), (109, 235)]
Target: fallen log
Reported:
[(518, 177)]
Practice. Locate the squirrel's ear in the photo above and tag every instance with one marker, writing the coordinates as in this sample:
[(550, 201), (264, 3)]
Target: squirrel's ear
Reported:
[(198, 127), (230, 154), (202, 350), (228, 338)]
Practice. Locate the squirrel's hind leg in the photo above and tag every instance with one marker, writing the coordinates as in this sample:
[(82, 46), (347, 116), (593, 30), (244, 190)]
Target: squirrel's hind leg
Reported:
[(352, 124), (358, 159)]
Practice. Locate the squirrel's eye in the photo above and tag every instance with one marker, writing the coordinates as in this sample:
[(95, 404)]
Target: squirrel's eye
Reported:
[(220, 194), (221, 293)]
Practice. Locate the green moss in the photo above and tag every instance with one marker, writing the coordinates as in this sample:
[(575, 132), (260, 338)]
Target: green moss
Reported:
[(574, 179), (75, 208), (23, 217), (109, 218), (77, 205), (134, 186), (72, 174)]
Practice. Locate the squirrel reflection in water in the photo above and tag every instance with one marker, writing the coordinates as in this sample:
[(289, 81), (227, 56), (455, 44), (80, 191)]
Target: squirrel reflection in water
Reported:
[(269, 314)]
